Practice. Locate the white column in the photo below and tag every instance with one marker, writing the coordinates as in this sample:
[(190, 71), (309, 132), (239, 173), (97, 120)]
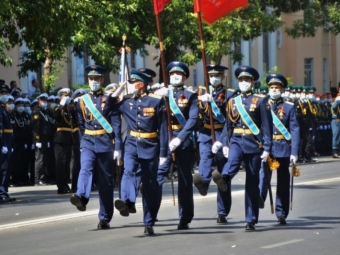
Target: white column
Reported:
[(245, 50), (272, 50), (260, 55)]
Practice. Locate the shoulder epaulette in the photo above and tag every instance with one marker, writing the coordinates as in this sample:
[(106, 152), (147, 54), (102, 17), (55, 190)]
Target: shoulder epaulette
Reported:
[(129, 96), (231, 90), (154, 96), (290, 103), (259, 95)]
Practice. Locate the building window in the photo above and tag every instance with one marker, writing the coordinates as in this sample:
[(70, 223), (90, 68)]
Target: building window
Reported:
[(308, 72)]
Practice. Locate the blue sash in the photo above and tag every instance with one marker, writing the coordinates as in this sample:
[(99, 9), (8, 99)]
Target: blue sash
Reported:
[(216, 111), (278, 124), (175, 109), (99, 117), (245, 116)]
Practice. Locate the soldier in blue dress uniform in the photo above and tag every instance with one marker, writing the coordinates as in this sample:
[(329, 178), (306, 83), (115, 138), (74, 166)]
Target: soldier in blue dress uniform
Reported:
[(336, 127), (184, 118), (285, 148), (6, 138), (97, 146), (218, 96), (249, 132), (145, 145)]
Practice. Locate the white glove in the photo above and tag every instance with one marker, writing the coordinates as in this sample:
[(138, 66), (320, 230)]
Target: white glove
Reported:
[(321, 127), (164, 92), (216, 146), (264, 156), (25, 146), (225, 150), (337, 98), (12, 149), (119, 90), (48, 144), (4, 150), (32, 146), (293, 158), (38, 145), (310, 129), (117, 155), (155, 86), (65, 100), (205, 98), (329, 126), (162, 161), (76, 100), (174, 144)]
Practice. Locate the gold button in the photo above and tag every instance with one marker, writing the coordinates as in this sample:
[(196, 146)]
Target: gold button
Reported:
[(138, 123), (138, 115), (138, 107)]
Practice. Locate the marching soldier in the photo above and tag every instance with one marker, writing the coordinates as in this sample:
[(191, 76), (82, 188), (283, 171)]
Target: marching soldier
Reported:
[(218, 96), (336, 127), (184, 119), (64, 139), (286, 134), (249, 138), (42, 130), (145, 146), (97, 147), (30, 156)]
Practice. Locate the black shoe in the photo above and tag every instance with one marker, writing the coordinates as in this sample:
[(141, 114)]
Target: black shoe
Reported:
[(64, 191), (148, 230), (4, 200), (103, 224), (78, 202), (122, 207), (200, 185), (40, 183), (220, 180), (261, 202), (183, 225), (132, 209), (222, 219), (250, 226), (281, 220)]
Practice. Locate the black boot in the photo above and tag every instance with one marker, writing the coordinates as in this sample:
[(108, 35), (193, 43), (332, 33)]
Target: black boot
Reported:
[(335, 154)]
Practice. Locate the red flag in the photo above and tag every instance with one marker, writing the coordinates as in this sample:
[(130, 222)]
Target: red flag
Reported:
[(212, 10), (159, 5)]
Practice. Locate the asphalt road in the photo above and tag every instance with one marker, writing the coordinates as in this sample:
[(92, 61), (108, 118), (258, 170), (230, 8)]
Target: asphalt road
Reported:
[(42, 222)]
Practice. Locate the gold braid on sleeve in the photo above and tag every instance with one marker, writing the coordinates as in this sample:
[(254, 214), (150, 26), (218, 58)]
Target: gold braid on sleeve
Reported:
[(311, 107), (303, 109), (200, 104), (232, 116), (82, 107)]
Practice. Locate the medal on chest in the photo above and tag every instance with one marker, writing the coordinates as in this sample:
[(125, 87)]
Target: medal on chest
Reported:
[(281, 112), (254, 101), (182, 101)]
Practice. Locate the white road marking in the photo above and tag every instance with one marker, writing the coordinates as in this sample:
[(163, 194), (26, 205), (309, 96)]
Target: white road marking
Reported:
[(138, 205), (281, 244)]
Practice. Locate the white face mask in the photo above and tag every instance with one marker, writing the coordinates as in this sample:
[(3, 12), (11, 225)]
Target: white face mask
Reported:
[(10, 107), (214, 81), (28, 110), (244, 86), (20, 109), (310, 96), (176, 79), (131, 89), (297, 95), (302, 96), (286, 94), (4, 98), (94, 85), (43, 105), (292, 96), (52, 105), (274, 95)]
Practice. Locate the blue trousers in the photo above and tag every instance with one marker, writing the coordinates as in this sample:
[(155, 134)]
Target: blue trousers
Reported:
[(205, 170), (105, 165), (183, 161), (148, 171), (282, 190), (252, 164), (335, 134)]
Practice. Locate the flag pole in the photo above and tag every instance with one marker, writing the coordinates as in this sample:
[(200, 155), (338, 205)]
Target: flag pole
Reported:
[(167, 106), (206, 81)]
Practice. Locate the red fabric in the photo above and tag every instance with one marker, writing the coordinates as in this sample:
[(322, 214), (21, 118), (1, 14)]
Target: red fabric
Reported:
[(159, 5), (213, 10)]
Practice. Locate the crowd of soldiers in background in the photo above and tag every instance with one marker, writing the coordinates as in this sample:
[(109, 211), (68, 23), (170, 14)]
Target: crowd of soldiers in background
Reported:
[(314, 115), (313, 111)]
